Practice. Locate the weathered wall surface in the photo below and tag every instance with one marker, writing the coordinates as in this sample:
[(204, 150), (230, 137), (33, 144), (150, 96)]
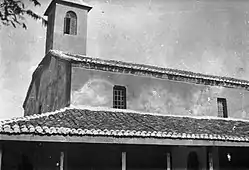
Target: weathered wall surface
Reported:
[(53, 91), (75, 44), (209, 36), (50, 90), (50, 31), (31, 106), (94, 88)]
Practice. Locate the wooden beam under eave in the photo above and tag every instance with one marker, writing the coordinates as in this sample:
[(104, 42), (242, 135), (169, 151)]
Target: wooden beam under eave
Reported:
[(120, 140)]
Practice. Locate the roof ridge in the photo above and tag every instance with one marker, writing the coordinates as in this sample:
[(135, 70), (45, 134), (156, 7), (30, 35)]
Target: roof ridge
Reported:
[(149, 67), (99, 108), (79, 2), (75, 2), (110, 125), (30, 117), (113, 110)]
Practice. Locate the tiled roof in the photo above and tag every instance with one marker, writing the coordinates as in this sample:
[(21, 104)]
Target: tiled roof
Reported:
[(75, 2), (79, 2), (124, 123), (149, 70)]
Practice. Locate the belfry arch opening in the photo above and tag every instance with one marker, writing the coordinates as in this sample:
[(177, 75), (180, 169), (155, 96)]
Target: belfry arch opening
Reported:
[(70, 23)]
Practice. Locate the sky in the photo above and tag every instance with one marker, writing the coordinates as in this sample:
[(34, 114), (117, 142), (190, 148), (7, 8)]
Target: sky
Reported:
[(20, 51), (206, 36)]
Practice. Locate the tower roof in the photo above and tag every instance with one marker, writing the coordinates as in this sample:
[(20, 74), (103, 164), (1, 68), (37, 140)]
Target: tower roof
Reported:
[(78, 3)]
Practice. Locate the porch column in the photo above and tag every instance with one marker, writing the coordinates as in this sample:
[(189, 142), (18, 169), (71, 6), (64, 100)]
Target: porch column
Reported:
[(1, 157), (216, 161), (213, 158), (168, 158), (62, 155), (123, 160), (210, 160)]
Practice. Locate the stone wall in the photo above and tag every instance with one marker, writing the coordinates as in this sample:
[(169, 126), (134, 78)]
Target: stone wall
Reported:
[(50, 31), (95, 88), (50, 87), (75, 44)]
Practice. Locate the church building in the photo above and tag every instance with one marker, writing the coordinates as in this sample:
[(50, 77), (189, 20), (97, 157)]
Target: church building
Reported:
[(84, 112)]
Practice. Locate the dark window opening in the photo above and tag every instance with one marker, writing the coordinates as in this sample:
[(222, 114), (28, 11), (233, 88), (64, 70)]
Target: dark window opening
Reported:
[(222, 107), (70, 23), (40, 109), (193, 162), (119, 97), (67, 26)]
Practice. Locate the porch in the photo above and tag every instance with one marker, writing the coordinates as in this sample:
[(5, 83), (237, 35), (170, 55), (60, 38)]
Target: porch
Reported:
[(103, 138), (19, 155)]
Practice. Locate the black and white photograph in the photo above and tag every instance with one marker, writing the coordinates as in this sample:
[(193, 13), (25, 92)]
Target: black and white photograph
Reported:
[(124, 84)]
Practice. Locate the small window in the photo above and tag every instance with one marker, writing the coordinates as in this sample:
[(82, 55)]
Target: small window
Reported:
[(70, 23), (40, 109), (119, 97), (222, 107)]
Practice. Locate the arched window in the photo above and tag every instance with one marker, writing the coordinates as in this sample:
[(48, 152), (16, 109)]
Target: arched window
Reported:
[(70, 23)]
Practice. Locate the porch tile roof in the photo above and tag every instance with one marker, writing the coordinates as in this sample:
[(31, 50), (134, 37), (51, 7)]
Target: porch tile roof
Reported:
[(125, 123)]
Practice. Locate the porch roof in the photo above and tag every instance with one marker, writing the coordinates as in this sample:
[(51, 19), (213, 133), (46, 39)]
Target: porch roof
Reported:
[(123, 126)]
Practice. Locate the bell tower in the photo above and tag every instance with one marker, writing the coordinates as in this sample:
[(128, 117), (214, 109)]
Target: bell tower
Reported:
[(67, 26)]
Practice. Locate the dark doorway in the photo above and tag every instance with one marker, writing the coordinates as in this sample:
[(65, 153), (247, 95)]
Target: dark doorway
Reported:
[(193, 162), (25, 163)]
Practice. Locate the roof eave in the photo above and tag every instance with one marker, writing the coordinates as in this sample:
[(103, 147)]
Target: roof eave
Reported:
[(86, 6), (49, 7), (120, 140), (220, 81)]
